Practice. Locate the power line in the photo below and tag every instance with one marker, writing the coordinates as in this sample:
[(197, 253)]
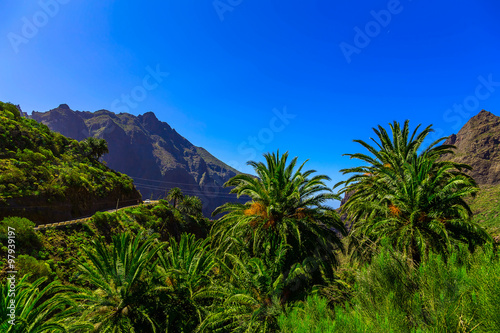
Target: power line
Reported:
[(164, 181), (168, 182), (196, 193), (191, 192)]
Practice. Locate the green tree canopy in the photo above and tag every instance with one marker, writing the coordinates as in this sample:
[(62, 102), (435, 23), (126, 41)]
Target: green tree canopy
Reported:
[(175, 194), (191, 205), (121, 277), (288, 206), (406, 194), (96, 147)]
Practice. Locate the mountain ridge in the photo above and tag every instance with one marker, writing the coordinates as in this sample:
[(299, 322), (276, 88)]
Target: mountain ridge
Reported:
[(148, 150)]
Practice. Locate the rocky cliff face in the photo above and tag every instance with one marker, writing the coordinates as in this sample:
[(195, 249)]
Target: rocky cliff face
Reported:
[(149, 151), (64, 121), (478, 145)]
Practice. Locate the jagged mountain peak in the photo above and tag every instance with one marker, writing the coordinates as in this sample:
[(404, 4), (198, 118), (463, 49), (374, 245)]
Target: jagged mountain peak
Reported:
[(152, 124), (484, 114), (477, 144), (483, 118)]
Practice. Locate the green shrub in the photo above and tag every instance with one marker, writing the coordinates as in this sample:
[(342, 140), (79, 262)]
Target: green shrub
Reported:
[(9, 110), (105, 223), (142, 215), (26, 239), (26, 264), (162, 211), (461, 294)]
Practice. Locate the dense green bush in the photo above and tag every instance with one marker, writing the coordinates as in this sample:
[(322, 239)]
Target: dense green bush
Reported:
[(105, 223), (26, 240), (26, 264), (459, 295), (10, 110)]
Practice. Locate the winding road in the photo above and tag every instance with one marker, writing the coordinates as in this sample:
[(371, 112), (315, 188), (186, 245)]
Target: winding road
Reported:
[(85, 219)]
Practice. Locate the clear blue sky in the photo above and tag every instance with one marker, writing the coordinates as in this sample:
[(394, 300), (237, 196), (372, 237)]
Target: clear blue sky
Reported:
[(339, 67)]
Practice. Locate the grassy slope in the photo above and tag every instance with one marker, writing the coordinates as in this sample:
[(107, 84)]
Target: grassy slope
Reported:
[(486, 208)]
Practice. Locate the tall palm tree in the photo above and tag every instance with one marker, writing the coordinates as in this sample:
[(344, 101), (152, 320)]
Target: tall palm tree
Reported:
[(175, 194), (410, 197), (287, 205), (121, 276)]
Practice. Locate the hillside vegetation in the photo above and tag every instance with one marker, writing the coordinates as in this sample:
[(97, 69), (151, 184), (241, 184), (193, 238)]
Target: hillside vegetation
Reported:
[(486, 208), (414, 259), (39, 167), (53, 252)]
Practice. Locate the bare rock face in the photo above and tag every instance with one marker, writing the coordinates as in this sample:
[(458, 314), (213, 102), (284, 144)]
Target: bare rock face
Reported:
[(149, 151), (65, 121), (478, 145)]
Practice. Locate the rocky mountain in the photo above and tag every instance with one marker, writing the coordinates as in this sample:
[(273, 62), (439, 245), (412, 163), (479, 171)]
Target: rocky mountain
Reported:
[(149, 151), (477, 144)]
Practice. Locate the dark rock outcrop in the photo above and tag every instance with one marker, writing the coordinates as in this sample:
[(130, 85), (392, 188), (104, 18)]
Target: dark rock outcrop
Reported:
[(478, 145)]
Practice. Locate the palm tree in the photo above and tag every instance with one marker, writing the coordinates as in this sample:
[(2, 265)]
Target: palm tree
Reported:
[(411, 198), (175, 195), (287, 205), (191, 205), (184, 282), (39, 307), (252, 297), (395, 151), (97, 147), (122, 283)]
